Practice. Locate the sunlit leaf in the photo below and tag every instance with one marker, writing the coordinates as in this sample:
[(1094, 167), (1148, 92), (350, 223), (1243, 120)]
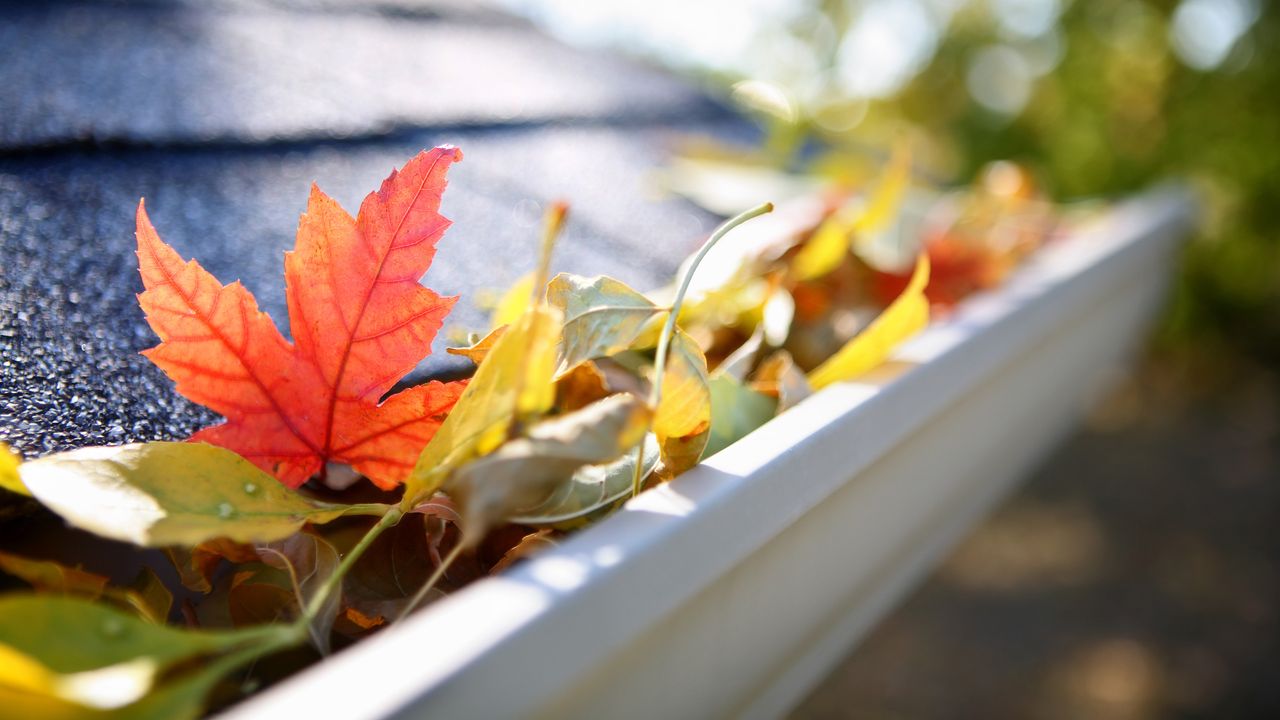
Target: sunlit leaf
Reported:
[(166, 493), (683, 416), (513, 382), (602, 317), (904, 317), (525, 471), (592, 488), (514, 302), (360, 320), (477, 351)]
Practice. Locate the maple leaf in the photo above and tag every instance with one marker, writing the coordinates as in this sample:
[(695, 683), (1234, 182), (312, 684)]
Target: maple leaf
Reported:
[(360, 321)]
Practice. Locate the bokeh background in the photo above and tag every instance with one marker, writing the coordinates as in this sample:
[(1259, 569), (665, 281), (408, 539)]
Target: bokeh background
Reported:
[(1135, 576)]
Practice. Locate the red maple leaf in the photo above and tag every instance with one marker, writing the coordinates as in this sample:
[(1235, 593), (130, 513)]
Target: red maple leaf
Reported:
[(360, 321)]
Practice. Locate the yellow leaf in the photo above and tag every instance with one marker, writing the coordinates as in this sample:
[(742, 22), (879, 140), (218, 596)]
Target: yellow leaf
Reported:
[(830, 242), (513, 382), (682, 420), (513, 303), (9, 479), (904, 317), (476, 352)]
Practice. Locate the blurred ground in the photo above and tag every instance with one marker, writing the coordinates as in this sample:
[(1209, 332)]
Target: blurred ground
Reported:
[(1135, 575)]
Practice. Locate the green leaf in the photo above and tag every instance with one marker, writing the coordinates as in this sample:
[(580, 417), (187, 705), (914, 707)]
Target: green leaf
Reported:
[(167, 493), (513, 382), (602, 317), (523, 472), (81, 652), (904, 317), (736, 410), (591, 489)]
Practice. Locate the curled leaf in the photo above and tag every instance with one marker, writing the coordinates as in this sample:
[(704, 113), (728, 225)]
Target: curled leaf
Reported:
[(591, 489), (522, 473), (166, 493), (602, 317), (904, 317)]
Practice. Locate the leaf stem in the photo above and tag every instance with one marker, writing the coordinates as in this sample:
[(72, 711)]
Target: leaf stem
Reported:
[(431, 581), (668, 329), (334, 581)]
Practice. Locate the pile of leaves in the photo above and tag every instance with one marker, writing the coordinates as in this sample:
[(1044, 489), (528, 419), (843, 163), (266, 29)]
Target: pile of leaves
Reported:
[(327, 506)]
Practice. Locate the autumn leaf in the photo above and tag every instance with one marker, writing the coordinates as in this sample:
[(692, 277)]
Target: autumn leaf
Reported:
[(831, 242), (513, 382), (524, 472), (602, 317), (129, 493), (682, 419), (360, 321), (591, 490), (903, 318)]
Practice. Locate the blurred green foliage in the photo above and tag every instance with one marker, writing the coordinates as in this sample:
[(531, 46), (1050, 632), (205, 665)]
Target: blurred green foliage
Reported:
[(1119, 112), (1109, 106)]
